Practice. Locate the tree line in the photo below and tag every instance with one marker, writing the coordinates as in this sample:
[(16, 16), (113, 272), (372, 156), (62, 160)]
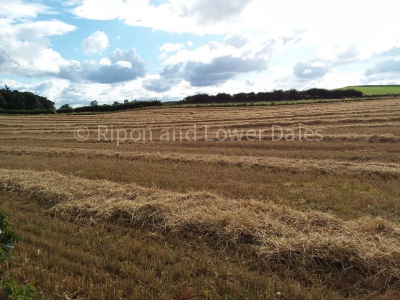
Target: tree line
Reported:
[(95, 107), (276, 95), (13, 101), (16, 102)]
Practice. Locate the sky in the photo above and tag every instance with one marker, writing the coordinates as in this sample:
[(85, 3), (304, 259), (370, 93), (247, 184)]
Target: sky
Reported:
[(77, 51)]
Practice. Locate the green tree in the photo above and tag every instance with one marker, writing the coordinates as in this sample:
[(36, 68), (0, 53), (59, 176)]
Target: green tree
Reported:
[(31, 101), (15, 100), (65, 106), (223, 98), (19, 102), (241, 97), (292, 94), (3, 102), (94, 103), (44, 103), (278, 94)]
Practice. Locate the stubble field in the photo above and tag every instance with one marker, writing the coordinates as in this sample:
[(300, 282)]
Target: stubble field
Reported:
[(258, 219)]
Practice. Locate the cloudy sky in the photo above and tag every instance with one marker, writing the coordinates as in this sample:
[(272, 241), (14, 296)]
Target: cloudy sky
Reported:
[(109, 50)]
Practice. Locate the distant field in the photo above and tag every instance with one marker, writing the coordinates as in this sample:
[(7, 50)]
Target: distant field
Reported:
[(261, 219), (376, 89)]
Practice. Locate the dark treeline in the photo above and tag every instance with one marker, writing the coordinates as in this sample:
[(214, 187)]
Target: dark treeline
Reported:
[(12, 101), (28, 112), (15, 102), (94, 107), (276, 95)]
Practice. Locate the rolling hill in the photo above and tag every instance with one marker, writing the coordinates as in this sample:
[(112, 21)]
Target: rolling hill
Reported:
[(369, 90)]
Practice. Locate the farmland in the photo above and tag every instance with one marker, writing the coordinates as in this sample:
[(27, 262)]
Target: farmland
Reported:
[(256, 218), (370, 90)]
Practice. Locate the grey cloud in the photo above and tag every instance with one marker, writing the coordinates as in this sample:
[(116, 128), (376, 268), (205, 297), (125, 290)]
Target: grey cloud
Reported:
[(237, 40), (43, 87), (2, 57), (170, 76), (271, 45), (116, 73), (125, 66), (380, 79), (220, 70), (351, 52), (388, 66), (307, 71), (213, 45), (348, 56), (391, 52), (160, 85), (268, 49), (72, 71), (291, 40), (318, 68), (171, 71), (214, 11)]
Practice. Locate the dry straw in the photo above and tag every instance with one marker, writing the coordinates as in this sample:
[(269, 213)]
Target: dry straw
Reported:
[(278, 163), (281, 234)]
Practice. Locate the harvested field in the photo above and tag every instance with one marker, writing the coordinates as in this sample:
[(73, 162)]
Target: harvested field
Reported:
[(235, 219)]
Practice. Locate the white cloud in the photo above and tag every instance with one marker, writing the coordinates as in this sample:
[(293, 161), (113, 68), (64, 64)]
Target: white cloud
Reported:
[(72, 2), (119, 67), (198, 16), (105, 62), (214, 11), (326, 24), (124, 64), (268, 44), (156, 86), (24, 47), (262, 47), (26, 51), (239, 15), (34, 31), (95, 43), (338, 38), (17, 9), (162, 56), (168, 47), (99, 9), (215, 64)]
